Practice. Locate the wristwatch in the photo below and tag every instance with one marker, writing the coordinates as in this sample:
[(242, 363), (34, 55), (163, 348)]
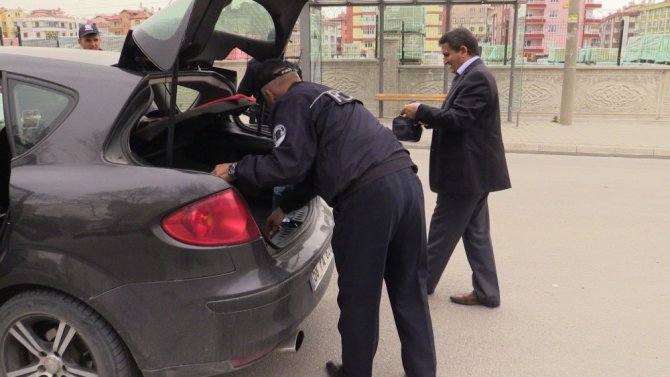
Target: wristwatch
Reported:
[(231, 169)]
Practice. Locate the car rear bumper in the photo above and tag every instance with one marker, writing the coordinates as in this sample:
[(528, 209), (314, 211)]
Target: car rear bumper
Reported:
[(212, 325)]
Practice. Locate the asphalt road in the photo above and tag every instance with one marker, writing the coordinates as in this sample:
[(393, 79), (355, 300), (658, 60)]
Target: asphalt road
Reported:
[(583, 252)]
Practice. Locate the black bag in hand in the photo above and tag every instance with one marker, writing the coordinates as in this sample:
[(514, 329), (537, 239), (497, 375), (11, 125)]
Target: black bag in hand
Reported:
[(406, 129)]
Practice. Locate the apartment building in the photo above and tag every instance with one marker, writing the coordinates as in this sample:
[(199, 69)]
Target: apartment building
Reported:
[(8, 19), (654, 18), (42, 24), (546, 25), (611, 35)]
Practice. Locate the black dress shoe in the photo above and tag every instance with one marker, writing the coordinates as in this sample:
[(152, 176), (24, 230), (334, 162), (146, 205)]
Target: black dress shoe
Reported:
[(334, 369)]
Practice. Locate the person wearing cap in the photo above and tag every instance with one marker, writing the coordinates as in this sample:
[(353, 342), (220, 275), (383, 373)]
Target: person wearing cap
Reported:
[(89, 37), (328, 144)]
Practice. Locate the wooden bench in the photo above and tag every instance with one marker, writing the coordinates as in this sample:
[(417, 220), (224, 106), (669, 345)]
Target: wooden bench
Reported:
[(407, 97)]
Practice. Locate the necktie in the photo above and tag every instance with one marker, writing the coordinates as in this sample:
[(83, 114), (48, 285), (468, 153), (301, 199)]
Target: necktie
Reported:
[(454, 83)]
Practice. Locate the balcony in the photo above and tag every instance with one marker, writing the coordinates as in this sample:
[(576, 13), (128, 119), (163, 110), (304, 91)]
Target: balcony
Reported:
[(533, 50), (590, 34), (532, 5), (535, 20), (533, 35), (589, 20)]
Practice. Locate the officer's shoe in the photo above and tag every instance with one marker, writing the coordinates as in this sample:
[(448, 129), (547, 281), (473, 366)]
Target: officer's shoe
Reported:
[(334, 369)]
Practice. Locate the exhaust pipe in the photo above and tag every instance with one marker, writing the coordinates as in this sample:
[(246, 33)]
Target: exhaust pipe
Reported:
[(292, 343)]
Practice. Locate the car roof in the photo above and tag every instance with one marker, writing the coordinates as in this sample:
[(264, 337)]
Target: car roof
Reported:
[(80, 56), (64, 66), (102, 89)]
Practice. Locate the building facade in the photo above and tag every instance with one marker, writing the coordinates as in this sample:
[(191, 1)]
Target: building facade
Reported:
[(52, 24), (8, 19), (613, 24), (546, 25), (654, 18), (121, 23)]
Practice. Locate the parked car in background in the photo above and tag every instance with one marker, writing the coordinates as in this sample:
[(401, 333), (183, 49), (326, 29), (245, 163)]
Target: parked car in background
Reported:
[(120, 254)]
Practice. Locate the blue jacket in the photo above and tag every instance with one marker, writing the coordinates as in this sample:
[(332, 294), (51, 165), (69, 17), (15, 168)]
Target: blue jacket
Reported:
[(325, 141)]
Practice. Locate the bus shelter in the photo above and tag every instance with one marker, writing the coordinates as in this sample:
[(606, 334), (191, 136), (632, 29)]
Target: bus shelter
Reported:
[(367, 48)]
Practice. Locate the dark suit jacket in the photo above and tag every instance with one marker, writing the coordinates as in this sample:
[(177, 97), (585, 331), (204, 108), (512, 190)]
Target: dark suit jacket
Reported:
[(467, 155)]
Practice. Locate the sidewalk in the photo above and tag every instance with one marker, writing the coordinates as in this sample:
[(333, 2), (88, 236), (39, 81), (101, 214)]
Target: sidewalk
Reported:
[(636, 138)]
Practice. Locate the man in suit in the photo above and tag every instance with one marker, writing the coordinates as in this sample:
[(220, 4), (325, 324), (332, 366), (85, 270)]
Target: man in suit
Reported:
[(467, 161)]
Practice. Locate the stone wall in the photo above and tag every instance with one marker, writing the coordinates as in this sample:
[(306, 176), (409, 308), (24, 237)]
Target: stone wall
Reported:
[(601, 92)]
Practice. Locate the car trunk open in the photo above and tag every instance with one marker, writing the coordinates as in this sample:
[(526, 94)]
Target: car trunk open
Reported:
[(207, 134)]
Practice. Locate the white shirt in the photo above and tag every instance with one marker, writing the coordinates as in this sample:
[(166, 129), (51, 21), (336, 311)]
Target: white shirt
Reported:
[(465, 65)]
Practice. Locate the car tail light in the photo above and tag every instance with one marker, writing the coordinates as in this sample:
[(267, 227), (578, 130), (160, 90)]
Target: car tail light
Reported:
[(219, 220)]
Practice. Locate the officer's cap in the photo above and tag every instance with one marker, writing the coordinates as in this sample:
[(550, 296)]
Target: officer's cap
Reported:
[(273, 68)]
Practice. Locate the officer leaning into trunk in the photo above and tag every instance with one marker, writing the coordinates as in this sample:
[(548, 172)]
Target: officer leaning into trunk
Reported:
[(328, 144)]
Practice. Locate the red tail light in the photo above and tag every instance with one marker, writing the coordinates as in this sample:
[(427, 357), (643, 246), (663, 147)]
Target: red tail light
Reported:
[(219, 220)]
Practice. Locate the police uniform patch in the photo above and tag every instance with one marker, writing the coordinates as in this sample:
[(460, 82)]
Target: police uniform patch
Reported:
[(279, 134)]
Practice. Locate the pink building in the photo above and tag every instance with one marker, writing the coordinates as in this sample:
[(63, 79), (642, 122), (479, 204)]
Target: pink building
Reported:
[(546, 25)]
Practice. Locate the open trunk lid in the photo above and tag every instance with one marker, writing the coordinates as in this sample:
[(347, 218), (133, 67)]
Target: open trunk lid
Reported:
[(197, 32)]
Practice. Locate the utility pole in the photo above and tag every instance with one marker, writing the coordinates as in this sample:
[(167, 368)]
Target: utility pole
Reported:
[(570, 67)]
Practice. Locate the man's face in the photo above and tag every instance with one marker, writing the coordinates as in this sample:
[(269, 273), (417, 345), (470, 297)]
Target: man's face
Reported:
[(454, 58), (90, 42)]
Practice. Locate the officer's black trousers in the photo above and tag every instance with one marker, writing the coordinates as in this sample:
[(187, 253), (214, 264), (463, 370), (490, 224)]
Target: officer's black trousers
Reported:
[(380, 234)]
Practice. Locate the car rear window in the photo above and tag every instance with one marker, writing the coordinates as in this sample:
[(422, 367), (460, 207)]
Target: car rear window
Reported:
[(37, 110), (248, 19)]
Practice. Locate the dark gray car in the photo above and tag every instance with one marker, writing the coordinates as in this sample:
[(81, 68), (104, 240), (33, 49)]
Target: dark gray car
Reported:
[(120, 254)]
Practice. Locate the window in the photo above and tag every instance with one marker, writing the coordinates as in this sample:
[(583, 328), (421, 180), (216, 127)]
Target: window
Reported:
[(552, 28), (246, 18), (526, 43), (37, 111), (553, 13)]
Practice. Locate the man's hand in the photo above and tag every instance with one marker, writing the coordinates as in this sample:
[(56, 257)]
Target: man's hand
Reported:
[(410, 110), (273, 222), (221, 170)]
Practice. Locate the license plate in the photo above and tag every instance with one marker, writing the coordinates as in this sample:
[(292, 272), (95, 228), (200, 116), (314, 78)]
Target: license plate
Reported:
[(320, 269)]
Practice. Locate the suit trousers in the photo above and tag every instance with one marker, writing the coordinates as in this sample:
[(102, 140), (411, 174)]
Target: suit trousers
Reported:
[(466, 216), (380, 235)]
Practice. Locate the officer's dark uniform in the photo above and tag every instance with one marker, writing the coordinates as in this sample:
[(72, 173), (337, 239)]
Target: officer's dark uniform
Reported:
[(327, 143)]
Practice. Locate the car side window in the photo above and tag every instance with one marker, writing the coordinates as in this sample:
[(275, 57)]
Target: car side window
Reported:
[(186, 97), (37, 111)]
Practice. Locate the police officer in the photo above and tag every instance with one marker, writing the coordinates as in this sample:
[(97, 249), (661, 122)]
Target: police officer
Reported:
[(328, 144)]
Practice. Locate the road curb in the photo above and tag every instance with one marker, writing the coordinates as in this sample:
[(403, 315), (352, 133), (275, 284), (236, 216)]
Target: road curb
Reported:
[(572, 150)]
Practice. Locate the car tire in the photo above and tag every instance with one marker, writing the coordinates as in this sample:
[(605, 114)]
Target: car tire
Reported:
[(47, 333)]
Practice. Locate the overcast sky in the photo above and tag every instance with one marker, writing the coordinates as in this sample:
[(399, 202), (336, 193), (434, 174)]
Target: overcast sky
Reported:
[(83, 8), (87, 8)]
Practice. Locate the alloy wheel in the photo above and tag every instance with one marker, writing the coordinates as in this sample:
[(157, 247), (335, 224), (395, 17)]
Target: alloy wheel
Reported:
[(45, 346)]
